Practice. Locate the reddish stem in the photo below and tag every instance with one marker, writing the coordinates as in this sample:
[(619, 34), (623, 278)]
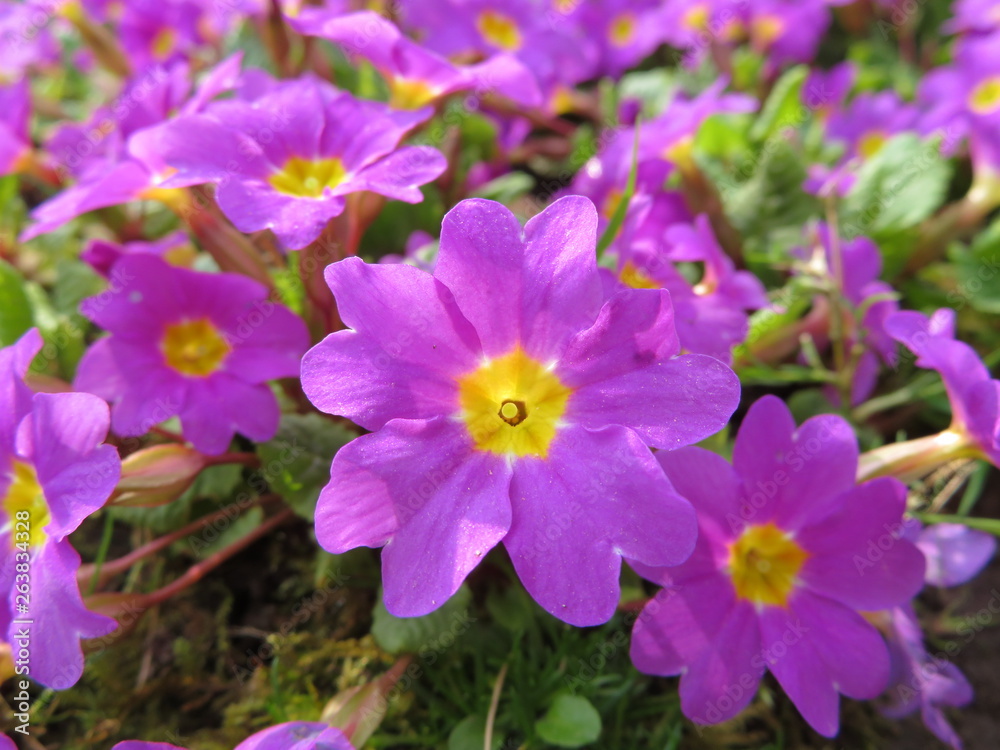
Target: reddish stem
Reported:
[(199, 570), (122, 564)]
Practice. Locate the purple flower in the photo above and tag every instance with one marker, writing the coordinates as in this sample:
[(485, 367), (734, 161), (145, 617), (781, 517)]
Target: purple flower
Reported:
[(159, 32), (869, 121), (416, 75), (981, 16), (863, 127), (54, 472), (624, 31), (964, 99), (826, 90), (671, 135), (955, 553), (15, 140), (790, 550), (555, 50), (710, 314), (787, 31), (293, 735), (695, 25), (27, 41), (664, 143), (287, 160), (124, 164), (974, 396), (509, 402), (174, 248), (856, 275), (199, 345), (919, 681)]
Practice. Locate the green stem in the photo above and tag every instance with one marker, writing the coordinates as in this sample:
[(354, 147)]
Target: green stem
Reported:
[(102, 552)]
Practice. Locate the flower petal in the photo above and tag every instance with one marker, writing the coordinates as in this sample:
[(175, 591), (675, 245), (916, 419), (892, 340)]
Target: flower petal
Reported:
[(855, 555), (60, 617), (418, 488), (679, 623), (597, 497), (408, 345), (723, 680)]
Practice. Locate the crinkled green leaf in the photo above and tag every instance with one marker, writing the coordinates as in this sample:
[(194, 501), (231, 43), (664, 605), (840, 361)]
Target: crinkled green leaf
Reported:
[(435, 632), (296, 462)]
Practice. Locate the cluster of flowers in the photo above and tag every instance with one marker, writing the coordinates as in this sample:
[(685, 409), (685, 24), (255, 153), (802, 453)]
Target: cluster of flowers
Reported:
[(517, 385)]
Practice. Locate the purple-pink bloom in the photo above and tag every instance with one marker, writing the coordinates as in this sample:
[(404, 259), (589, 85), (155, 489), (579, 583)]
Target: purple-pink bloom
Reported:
[(973, 394), (623, 31), (292, 735), (416, 75), (202, 346), (27, 40), (787, 31), (710, 313), (509, 402), (102, 255), (790, 552), (856, 274), (115, 156), (862, 127), (964, 99), (954, 553), (54, 472), (160, 32), (826, 90), (15, 140), (555, 50), (981, 16), (287, 160), (920, 681)]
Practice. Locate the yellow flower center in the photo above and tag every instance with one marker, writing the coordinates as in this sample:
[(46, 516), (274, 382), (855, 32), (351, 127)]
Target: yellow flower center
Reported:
[(622, 29), (681, 153), (611, 203), (871, 143), (25, 503), (305, 178), (163, 43), (194, 347), (499, 30), (566, 6), (633, 276), (696, 18), (766, 29), (512, 405), (409, 93), (764, 563), (562, 100), (985, 98)]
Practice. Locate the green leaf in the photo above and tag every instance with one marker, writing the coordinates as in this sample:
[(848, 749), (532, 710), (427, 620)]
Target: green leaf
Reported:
[(296, 462), (784, 107), (506, 188), (15, 312), (977, 272), (436, 631), (772, 196), (899, 187), (571, 721), (655, 88), (470, 734)]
